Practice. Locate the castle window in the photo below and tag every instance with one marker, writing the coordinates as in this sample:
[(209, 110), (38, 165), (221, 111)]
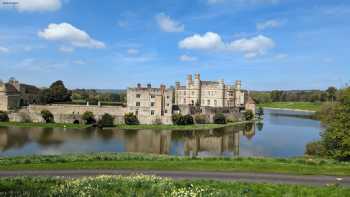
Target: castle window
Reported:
[(208, 102), (167, 104), (138, 104), (192, 93), (152, 112), (152, 96), (138, 95), (167, 97), (152, 104), (215, 103), (137, 112), (166, 111)]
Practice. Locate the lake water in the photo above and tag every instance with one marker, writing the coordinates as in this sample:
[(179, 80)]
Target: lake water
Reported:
[(282, 134)]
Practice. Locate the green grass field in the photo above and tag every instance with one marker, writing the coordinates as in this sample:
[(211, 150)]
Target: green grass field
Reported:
[(293, 105), (301, 166), (43, 125), (141, 185)]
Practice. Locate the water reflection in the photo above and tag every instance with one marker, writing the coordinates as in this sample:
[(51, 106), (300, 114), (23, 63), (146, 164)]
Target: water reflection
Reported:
[(276, 136)]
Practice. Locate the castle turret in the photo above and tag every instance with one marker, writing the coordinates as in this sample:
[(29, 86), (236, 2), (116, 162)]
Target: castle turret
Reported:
[(177, 85), (189, 80), (238, 85), (14, 83)]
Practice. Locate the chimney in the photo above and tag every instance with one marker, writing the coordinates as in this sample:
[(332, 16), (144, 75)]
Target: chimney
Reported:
[(177, 85), (189, 79)]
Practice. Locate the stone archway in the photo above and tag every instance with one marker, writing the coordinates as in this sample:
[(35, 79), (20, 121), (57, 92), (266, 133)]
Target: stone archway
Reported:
[(76, 122)]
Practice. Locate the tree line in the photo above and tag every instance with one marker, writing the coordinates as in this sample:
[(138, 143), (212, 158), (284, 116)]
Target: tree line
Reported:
[(331, 95)]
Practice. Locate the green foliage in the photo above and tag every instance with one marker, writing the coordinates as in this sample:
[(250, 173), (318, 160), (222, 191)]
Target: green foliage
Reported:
[(261, 97), (107, 120), (315, 149), (179, 119), (47, 116), (336, 137), (201, 119), (326, 112), (4, 116), (248, 115), (57, 93), (89, 117), (219, 118), (131, 119), (331, 93), (93, 96)]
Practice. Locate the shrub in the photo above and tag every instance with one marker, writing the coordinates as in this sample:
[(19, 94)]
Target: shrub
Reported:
[(248, 115), (47, 116), (232, 119), (89, 118), (131, 119), (179, 119), (219, 118), (200, 119), (315, 149), (188, 120), (260, 112), (4, 117), (106, 121)]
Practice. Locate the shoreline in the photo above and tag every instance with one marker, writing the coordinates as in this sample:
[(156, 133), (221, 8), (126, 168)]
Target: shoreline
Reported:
[(289, 109)]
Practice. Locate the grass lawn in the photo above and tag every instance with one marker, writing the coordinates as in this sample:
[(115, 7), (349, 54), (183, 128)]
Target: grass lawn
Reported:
[(178, 127), (299, 166), (293, 105), (43, 125), (141, 185)]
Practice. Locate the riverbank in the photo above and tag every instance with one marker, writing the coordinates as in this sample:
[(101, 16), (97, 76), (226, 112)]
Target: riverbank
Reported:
[(296, 166), (142, 185), (43, 125), (180, 127), (296, 106)]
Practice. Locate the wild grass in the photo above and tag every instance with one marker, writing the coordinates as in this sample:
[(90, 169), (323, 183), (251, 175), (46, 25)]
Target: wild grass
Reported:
[(293, 105)]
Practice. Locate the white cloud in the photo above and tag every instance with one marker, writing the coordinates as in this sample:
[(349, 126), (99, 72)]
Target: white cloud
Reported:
[(133, 51), (268, 24), (187, 58), (167, 24), (122, 23), (209, 40), (79, 62), (32, 5), (281, 56), (4, 49), (66, 49), (67, 33), (250, 47)]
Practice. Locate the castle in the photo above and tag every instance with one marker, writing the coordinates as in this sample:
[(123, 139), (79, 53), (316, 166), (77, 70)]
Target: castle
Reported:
[(14, 95), (151, 105)]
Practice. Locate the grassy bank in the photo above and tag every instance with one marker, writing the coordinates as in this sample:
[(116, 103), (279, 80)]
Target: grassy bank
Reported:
[(179, 127), (141, 185), (293, 105), (301, 166), (43, 125)]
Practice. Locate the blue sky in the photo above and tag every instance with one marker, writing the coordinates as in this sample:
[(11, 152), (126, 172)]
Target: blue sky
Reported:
[(268, 44)]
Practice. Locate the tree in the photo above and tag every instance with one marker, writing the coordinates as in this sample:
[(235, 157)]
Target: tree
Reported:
[(131, 119), (106, 121), (188, 119), (58, 93), (200, 118), (47, 116), (219, 118), (248, 115), (89, 117), (336, 137), (331, 93), (276, 95), (4, 116), (179, 119), (260, 112)]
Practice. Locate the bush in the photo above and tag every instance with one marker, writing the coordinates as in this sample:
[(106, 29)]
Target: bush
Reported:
[(106, 121), (131, 119), (179, 119), (248, 115), (188, 120), (200, 119), (219, 118), (232, 119), (47, 116), (315, 149), (3, 116), (89, 117)]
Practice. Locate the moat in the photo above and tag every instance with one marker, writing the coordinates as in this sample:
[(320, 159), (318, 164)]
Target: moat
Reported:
[(282, 134)]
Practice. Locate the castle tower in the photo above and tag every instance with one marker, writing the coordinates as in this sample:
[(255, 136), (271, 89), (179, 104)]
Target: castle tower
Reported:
[(197, 89), (238, 85), (221, 94)]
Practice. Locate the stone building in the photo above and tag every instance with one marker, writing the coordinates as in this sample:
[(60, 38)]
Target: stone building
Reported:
[(151, 105), (14, 94), (209, 93)]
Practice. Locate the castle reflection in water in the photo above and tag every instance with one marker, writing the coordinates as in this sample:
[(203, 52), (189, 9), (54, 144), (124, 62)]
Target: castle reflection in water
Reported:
[(215, 142)]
